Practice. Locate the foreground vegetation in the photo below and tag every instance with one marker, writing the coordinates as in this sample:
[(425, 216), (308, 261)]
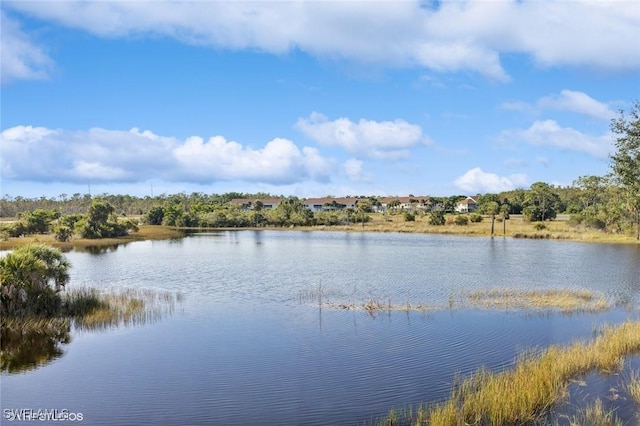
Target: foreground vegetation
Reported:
[(37, 313), (537, 382)]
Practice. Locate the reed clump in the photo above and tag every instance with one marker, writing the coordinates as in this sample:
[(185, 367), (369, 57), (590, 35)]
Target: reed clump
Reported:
[(563, 300), (595, 415), (633, 386), (90, 308), (535, 384)]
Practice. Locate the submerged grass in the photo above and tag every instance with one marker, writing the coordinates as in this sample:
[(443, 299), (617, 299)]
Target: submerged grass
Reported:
[(525, 393), (633, 386), (595, 415), (566, 301)]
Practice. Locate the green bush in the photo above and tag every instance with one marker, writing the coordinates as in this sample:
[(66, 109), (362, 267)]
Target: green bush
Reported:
[(475, 217), (62, 233), (539, 226), (409, 217), (461, 220), (436, 218)]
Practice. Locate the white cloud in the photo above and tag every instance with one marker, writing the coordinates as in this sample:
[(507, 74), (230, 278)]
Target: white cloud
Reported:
[(566, 100), (467, 35), (355, 172), (100, 155), (550, 133), (477, 181), (280, 161), (20, 57), (569, 100), (377, 139)]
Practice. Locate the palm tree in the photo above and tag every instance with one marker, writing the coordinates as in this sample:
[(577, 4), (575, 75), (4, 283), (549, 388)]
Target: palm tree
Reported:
[(31, 278)]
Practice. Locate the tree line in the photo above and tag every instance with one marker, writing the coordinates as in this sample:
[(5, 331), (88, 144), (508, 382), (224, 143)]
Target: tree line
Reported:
[(610, 203)]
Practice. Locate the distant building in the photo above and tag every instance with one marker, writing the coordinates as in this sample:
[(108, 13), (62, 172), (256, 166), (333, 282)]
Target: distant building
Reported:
[(467, 205), (330, 204), (249, 203)]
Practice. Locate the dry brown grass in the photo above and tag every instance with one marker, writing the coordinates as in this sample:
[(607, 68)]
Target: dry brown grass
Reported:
[(516, 228), (633, 386), (524, 393), (564, 300), (92, 309), (146, 232)]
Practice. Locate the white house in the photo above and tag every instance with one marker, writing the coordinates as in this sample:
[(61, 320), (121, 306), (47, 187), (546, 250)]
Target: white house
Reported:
[(467, 205)]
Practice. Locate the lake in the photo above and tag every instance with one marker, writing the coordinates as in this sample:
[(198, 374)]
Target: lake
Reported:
[(249, 344)]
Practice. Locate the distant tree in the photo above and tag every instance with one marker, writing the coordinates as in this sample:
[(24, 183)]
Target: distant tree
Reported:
[(436, 217), (154, 216), (38, 221), (504, 214), (541, 202), (363, 207), (492, 208), (257, 212), (626, 160), (393, 205)]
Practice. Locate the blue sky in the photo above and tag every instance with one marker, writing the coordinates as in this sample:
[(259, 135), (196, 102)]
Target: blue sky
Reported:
[(311, 98)]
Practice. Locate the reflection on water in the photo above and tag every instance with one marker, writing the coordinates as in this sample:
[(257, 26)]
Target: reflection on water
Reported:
[(101, 249), (23, 350), (253, 344)]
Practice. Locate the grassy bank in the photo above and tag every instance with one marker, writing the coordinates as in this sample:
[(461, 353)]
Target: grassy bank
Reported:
[(534, 385), (516, 227), (146, 232)]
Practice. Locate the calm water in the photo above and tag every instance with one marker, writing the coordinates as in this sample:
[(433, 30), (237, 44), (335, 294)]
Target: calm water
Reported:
[(245, 348)]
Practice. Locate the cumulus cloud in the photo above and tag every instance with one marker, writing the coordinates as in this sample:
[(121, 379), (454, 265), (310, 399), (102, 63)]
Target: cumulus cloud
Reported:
[(477, 181), (468, 35), (20, 57), (580, 102), (354, 170), (566, 100), (101, 155), (550, 133), (377, 139)]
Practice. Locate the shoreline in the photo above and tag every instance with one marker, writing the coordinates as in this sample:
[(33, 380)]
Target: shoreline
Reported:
[(554, 230)]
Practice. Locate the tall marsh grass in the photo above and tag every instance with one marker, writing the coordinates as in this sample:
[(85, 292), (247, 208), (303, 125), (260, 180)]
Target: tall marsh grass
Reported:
[(91, 309), (564, 300), (633, 386), (537, 382)]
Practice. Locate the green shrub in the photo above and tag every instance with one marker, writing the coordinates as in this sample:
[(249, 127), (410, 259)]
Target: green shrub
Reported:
[(475, 217), (409, 217), (62, 233), (539, 226), (461, 220), (436, 218)]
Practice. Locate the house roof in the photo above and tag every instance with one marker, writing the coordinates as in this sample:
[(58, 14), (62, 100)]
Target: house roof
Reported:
[(243, 201), (314, 201), (468, 200), (387, 200)]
